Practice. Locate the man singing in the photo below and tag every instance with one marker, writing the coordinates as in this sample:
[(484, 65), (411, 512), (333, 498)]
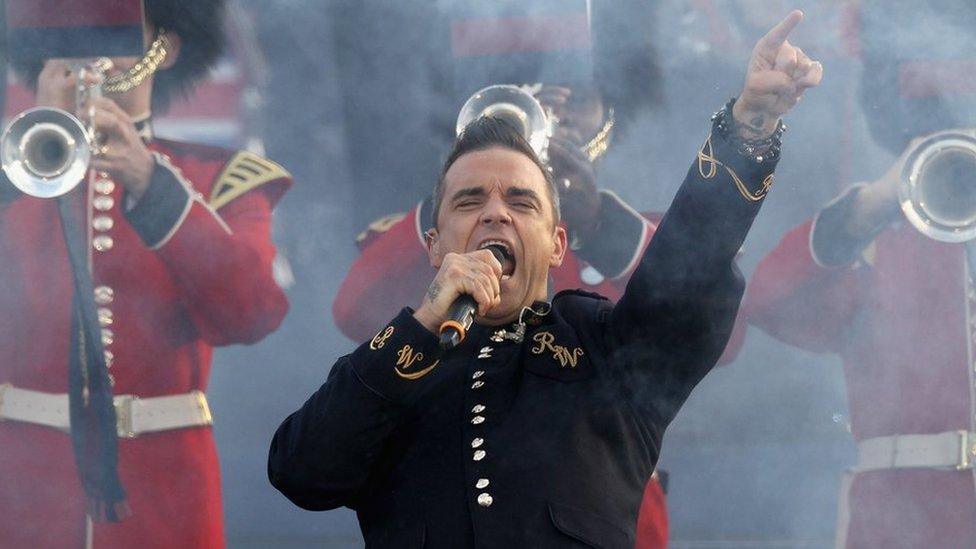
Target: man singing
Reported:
[(543, 426)]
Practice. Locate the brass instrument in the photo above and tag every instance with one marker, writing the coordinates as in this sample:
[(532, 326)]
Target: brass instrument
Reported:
[(45, 152), (516, 106), (938, 186)]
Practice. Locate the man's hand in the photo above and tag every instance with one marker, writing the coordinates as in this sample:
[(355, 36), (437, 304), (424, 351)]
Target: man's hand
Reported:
[(877, 202), (122, 153), (576, 181), (777, 76), (56, 86), (477, 274)]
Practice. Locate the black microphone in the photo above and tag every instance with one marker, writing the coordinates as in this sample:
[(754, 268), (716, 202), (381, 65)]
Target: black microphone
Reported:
[(461, 314)]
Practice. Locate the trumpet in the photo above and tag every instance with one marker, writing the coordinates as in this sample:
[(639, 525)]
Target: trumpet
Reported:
[(515, 106), (45, 152), (937, 191)]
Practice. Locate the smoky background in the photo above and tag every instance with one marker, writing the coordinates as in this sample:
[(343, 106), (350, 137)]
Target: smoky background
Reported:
[(344, 94)]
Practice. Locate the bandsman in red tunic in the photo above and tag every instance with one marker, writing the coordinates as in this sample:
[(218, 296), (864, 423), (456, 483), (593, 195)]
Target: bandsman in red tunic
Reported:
[(180, 251), (898, 307)]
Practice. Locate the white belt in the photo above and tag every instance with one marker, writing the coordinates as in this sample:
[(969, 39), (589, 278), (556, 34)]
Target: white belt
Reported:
[(134, 415), (949, 450)]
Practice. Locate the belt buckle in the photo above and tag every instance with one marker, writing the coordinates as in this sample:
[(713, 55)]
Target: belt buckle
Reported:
[(123, 415), (967, 451)]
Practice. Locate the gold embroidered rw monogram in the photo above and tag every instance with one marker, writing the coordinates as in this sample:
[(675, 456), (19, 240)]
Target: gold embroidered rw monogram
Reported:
[(567, 358), (406, 358)]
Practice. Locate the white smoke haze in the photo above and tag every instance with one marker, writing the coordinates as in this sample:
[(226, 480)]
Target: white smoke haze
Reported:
[(358, 112)]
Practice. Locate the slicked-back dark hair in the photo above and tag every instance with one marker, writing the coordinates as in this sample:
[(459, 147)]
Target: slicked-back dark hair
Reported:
[(485, 133), (199, 24)]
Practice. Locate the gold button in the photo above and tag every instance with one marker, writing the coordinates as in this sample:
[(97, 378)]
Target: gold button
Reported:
[(104, 295), (103, 203), (477, 374), (477, 442), (109, 359), (485, 500), (103, 243), (103, 223), (478, 420), (108, 337), (104, 186), (481, 484), (477, 384), (478, 455), (478, 408), (105, 317)]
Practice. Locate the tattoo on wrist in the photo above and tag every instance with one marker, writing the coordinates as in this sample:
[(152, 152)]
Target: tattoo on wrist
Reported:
[(433, 291), (753, 129)]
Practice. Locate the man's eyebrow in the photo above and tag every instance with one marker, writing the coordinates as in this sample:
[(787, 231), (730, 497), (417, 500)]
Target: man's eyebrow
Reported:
[(523, 192), (470, 191)]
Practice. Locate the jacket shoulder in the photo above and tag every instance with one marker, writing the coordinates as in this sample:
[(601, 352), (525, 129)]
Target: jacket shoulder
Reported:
[(222, 175), (581, 308)]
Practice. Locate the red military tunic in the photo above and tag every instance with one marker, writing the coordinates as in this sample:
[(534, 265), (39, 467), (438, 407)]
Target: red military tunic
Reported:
[(899, 315), (394, 269), (185, 269)]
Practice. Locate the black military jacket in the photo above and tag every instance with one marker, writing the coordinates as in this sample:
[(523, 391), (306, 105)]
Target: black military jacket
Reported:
[(544, 443)]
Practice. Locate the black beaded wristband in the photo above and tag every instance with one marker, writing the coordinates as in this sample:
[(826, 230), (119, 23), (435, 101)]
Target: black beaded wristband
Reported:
[(758, 150)]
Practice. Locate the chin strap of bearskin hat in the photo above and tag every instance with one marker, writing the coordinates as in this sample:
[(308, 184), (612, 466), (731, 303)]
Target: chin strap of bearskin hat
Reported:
[(94, 434)]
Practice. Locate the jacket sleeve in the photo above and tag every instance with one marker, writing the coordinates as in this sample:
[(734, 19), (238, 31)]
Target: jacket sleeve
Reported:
[(221, 260), (621, 237), (805, 298), (325, 454), (392, 270), (676, 316)]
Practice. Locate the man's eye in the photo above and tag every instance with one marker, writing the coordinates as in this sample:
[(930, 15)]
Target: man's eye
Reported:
[(467, 204), (524, 205)]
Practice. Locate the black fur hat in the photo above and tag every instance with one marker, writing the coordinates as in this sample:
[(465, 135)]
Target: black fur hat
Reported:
[(625, 63), (918, 62), (198, 23)]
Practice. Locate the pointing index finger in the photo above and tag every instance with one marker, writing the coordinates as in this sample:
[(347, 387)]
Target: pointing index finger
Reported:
[(778, 34)]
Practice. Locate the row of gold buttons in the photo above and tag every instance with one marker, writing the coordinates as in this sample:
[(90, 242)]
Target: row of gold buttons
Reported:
[(102, 223)]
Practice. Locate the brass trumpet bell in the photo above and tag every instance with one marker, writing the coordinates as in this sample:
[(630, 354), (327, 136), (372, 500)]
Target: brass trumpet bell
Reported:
[(45, 152), (514, 105), (938, 187)]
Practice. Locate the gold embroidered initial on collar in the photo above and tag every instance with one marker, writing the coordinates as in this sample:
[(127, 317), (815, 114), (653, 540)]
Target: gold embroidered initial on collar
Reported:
[(565, 356), (380, 339)]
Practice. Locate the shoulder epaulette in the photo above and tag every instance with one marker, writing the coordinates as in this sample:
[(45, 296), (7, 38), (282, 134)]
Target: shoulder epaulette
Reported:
[(244, 172), (380, 226)]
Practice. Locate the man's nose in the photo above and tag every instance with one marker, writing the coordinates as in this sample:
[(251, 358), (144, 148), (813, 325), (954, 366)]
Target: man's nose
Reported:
[(495, 211)]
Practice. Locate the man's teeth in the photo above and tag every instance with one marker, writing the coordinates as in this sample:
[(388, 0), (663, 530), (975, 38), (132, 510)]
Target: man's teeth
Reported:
[(502, 245)]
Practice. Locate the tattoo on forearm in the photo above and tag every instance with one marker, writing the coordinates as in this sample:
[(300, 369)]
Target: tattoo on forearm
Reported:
[(433, 291)]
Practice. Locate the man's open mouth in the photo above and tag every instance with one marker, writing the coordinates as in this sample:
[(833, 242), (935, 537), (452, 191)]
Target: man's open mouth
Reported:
[(508, 258)]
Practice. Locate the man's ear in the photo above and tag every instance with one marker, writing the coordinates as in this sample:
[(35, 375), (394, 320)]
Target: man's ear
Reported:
[(432, 239), (559, 245), (173, 51)]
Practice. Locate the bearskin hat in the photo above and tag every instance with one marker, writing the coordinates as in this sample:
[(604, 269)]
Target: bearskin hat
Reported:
[(198, 23), (917, 72)]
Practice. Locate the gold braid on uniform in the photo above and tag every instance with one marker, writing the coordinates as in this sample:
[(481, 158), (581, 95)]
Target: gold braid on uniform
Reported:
[(708, 168), (245, 171), (137, 74), (598, 146)]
